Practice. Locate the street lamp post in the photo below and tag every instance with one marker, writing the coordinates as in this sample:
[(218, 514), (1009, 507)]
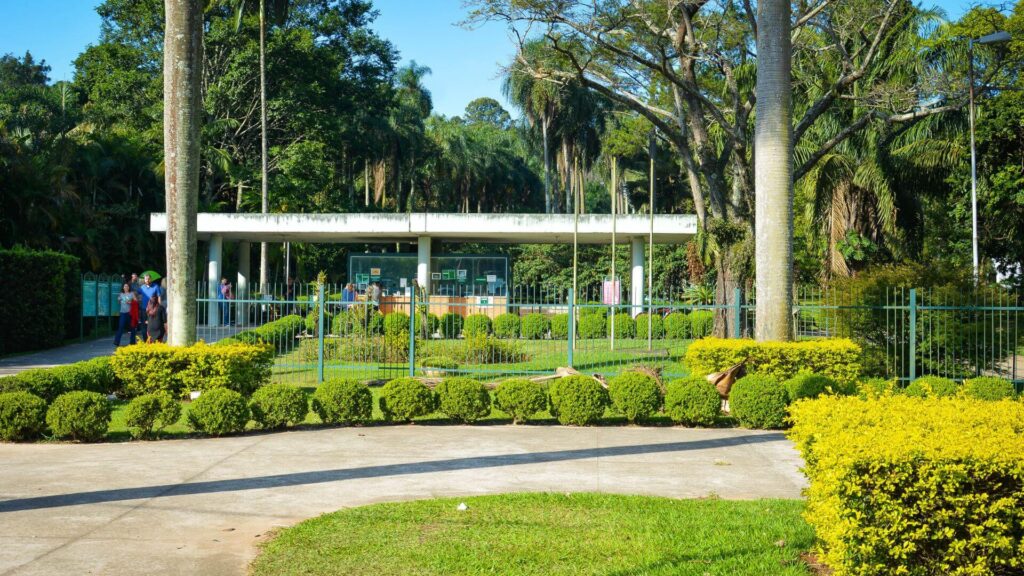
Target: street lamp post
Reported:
[(994, 38)]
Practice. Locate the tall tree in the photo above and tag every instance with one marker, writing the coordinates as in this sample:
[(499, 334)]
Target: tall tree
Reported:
[(773, 173), (183, 74)]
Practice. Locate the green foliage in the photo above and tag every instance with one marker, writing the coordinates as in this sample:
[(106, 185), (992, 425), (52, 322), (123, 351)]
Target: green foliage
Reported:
[(451, 325), (277, 405), (506, 326), (360, 320), (932, 387), (149, 413), (343, 401), (476, 325), (635, 395), (560, 327), (692, 402), (396, 323), (592, 325), (22, 416), (463, 399), (483, 349), (403, 399), (34, 316), (535, 326), (807, 385), (871, 388), (902, 485), (42, 382), (219, 411), (624, 326), (578, 400), (702, 323), (146, 368), (988, 388), (388, 349), (677, 325), (439, 363), (79, 415), (280, 334), (520, 398), (102, 376), (759, 402), (839, 359), (657, 326)]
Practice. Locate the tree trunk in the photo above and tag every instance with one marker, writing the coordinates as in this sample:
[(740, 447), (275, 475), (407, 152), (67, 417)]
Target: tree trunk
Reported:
[(773, 174), (183, 72), (547, 167), (264, 204)]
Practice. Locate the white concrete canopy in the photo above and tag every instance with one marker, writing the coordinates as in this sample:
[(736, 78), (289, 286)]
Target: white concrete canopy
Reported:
[(487, 228)]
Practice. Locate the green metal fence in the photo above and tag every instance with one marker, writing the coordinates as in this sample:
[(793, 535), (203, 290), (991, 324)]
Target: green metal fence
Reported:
[(528, 331), (99, 306)]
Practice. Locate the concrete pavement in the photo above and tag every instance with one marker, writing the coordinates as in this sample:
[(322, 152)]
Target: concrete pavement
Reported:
[(202, 506), (69, 354)]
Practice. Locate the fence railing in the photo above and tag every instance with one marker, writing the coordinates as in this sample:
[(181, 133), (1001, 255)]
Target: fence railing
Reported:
[(905, 333)]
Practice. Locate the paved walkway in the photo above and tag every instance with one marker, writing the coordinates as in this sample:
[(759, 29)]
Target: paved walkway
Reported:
[(202, 506), (56, 356)]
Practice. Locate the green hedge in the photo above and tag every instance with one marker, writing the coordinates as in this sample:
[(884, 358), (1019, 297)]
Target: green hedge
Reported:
[(535, 326), (147, 368), (506, 326), (838, 359), (42, 295)]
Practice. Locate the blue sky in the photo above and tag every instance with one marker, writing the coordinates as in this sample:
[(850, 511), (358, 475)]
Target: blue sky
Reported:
[(465, 64)]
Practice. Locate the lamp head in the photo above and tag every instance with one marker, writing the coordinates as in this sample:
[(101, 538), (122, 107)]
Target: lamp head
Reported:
[(994, 38)]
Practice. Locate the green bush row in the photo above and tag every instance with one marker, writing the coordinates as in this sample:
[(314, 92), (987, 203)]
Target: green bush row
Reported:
[(95, 375), (177, 370), (34, 317)]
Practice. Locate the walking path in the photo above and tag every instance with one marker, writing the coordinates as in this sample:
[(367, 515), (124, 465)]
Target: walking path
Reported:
[(202, 506), (57, 356)]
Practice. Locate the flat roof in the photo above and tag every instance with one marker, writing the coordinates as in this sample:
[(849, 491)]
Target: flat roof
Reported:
[(486, 228)]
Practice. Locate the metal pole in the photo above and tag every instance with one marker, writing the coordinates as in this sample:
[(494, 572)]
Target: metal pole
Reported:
[(974, 166), (412, 333), (575, 263), (615, 284), (913, 334), (320, 332), (650, 257)]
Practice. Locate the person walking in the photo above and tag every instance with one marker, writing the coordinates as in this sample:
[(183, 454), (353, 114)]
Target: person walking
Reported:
[(124, 322), (156, 320), (226, 295), (373, 291), (146, 293)]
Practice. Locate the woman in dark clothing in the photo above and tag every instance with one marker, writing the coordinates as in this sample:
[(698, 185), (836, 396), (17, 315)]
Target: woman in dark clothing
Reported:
[(156, 319)]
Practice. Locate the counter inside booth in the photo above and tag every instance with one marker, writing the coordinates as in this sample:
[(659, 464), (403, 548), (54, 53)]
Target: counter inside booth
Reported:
[(462, 305)]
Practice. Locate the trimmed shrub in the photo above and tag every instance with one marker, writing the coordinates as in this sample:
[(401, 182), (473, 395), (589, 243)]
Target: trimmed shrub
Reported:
[(146, 368), (150, 413), (624, 326), (483, 349), (506, 326), (578, 400), (22, 416), (560, 327), (872, 388), (677, 325), (534, 326), (280, 334), (759, 402), (988, 388), (79, 415), (591, 308), (476, 325), (463, 399), (932, 387), (520, 398), (839, 359), (102, 374), (343, 401), (807, 385), (219, 411), (657, 326), (914, 486), (692, 401), (592, 326), (702, 323), (277, 405), (635, 395), (403, 399), (396, 323), (32, 318), (451, 325), (42, 382)]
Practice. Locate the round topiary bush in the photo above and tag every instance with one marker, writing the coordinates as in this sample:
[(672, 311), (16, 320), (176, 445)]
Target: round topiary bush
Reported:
[(520, 398), (657, 326), (807, 385), (759, 402), (578, 400), (506, 326), (403, 399), (463, 399), (702, 323), (635, 395), (396, 323), (149, 413), (42, 382), (692, 401), (343, 401), (219, 411), (592, 326), (624, 325), (677, 325), (560, 327), (277, 405), (989, 388), (534, 326), (476, 325), (79, 415), (22, 416), (451, 325), (932, 387)]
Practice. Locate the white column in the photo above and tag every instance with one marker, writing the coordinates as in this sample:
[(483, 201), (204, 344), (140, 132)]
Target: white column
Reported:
[(213, 280), (423, 263), (242, 284), (636, 284)]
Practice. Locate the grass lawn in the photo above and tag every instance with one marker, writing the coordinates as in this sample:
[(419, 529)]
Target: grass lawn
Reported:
[(545, 534)]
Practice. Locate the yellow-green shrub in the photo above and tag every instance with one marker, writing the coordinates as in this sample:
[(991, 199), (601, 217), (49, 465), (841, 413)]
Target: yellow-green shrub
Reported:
[(839, 359), (902, 485), (148, 368)]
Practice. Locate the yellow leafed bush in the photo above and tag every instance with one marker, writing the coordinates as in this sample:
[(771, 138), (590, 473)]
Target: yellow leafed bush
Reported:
[(902, 485), (839, 359), (149, 368)]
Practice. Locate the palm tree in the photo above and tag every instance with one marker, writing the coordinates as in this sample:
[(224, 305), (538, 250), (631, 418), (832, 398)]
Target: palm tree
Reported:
[(773, 173), (183, 72)]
